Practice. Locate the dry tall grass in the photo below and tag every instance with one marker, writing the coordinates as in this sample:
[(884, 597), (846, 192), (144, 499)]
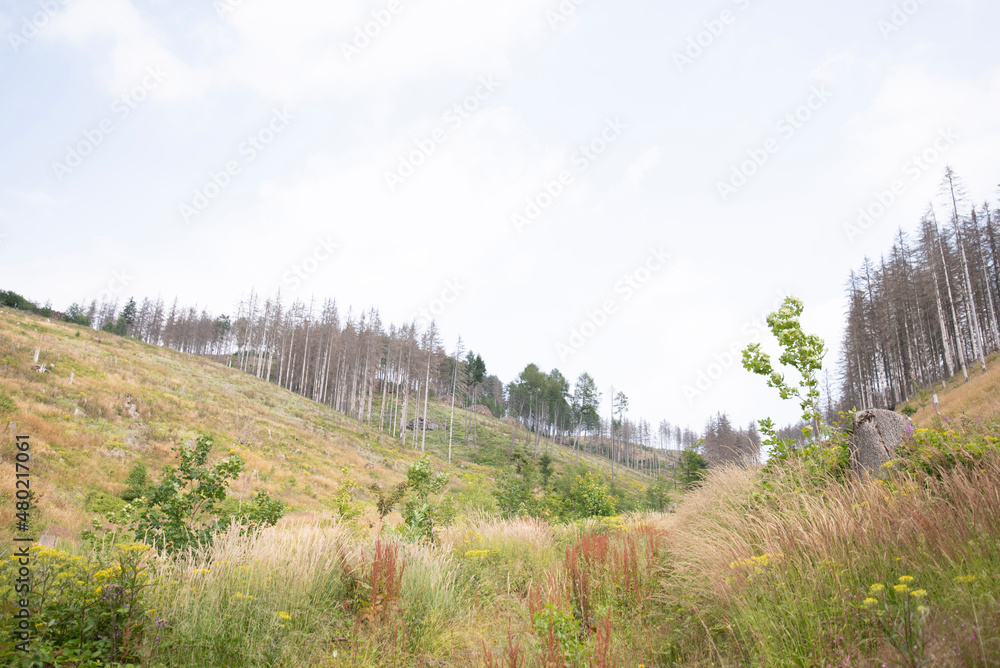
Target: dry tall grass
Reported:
[(780, 574)]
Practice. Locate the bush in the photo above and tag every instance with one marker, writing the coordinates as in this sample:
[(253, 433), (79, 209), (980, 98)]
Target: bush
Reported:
[(102, 503), (75, 315), (182, 508), (13, 300), (691, 467), (86, 612), (138, 482), (261, 511), (6, 404), (419, 514), (658, 495), (592, 498)]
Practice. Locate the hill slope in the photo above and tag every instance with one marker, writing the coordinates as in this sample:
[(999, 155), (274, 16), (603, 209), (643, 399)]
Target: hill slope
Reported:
[(980, 397), (105, 402)]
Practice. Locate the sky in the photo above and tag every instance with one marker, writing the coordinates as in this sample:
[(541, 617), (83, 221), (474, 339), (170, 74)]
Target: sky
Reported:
[(624, 188)]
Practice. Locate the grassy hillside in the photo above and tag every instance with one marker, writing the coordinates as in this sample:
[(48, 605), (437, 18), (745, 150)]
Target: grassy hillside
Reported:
[(980, 397), (106, 402), (799, 563)]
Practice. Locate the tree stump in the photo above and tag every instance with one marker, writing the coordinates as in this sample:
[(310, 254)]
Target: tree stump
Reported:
[(877, 433)]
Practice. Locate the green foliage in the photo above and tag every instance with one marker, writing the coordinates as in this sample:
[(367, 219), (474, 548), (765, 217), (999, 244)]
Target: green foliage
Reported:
[(576, 493), (949, 444), (384, 502), (181, 511), (419, 514), (592, 497), (560, 635), (900, 613), (475, 368), (6, 404), (801, 351), (138, 482), (85, 612), (261, 511), (11, 299), (76, 315), (691, 467), (447, 511), (908, 410), (658, 495), (343, 501), (514, 495), (545, 468), (102, 503)]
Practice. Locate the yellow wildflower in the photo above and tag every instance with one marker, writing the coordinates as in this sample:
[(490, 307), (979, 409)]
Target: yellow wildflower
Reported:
[(965, 578), (905, 579), (284, 615), (918, 593), (477, 553), (869, 602), (876, 588), (901, 588)]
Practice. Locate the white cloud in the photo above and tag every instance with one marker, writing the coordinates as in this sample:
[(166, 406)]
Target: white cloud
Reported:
[(123, 46)]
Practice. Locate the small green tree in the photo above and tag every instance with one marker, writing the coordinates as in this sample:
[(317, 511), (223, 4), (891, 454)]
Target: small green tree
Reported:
[(545, 468), (658, 494), (419, 514), (138, 482), (76, 315), (592, 497), (691, 466), (801, 351), (181, 509)]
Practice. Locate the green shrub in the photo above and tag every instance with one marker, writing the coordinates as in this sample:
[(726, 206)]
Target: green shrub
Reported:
[(559, 634), (138, 482), (102, 503), (6, 404), (658, 495), (85, 611), (419, 514), (182, 509), (592, 497), (259, 512)]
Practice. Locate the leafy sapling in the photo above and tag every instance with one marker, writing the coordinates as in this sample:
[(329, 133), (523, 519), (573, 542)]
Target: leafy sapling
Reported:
[(801, 351)]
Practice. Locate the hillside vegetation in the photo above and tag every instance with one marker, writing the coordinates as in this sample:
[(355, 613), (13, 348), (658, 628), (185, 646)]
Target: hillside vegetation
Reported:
[(796, 563), (106, 402), (980, 397)]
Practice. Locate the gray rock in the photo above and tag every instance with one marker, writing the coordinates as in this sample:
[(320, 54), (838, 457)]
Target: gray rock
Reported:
[(877, 433)]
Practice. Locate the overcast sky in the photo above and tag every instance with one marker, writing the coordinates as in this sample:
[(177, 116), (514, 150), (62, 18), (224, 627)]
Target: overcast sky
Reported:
[(624, 188)]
